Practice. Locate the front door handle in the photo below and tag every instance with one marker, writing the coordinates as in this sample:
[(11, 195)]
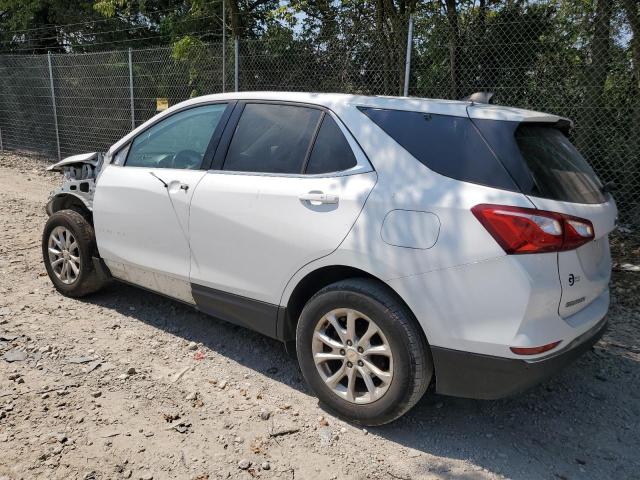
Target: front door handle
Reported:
[(318, 198), (174, 186)]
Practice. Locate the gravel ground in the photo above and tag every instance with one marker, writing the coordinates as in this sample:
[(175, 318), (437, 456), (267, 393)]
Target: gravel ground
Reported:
[(127, 384)]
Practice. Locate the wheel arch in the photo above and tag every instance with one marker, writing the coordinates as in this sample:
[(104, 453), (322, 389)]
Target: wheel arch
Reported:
[(69, 201), (312, 282)]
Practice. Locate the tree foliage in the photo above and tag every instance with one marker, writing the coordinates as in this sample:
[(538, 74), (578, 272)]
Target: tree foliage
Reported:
[(578, 58)]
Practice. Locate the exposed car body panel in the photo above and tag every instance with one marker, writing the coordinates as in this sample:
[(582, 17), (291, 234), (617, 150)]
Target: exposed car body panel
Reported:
[(156, 281), (91, 158), (79, 176)]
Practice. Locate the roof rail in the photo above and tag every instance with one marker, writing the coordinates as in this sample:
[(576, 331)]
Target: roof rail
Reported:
[(479, 97)]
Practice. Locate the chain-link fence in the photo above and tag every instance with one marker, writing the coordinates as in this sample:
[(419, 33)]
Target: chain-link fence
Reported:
[(63, 104)]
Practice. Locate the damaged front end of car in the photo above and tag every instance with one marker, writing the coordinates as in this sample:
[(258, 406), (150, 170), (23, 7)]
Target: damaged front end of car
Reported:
[(79, 182)]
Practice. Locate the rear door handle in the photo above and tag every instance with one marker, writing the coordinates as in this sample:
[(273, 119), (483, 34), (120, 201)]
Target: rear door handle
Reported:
[(318, 198)]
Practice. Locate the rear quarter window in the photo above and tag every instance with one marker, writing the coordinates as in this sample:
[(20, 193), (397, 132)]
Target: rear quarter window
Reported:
[(331, 151), (448, 145)]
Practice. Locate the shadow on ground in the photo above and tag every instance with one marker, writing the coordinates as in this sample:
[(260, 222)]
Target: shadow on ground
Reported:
[(581, 424)]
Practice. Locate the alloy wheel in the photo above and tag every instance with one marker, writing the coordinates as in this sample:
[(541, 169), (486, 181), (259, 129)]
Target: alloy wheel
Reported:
[(64, 255), (352, 355)]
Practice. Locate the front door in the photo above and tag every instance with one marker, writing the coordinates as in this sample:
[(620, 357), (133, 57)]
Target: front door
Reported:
[(141, 208)]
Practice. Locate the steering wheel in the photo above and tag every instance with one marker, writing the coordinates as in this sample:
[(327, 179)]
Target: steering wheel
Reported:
[(187, 159)]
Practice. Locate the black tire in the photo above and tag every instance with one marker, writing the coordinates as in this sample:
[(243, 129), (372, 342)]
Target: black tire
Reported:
[(412, 363), (89, 280)]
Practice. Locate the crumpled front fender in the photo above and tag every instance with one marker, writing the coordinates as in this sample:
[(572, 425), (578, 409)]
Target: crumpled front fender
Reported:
[(91, 158), (79, 182)]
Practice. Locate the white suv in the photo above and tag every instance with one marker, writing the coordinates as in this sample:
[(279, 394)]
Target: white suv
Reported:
[(397, 243)]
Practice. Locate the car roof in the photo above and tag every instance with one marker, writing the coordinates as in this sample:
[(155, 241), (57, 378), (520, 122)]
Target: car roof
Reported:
[(458, 108), (340, 101)]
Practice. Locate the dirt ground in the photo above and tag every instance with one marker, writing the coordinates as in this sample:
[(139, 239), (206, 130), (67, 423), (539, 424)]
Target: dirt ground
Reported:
[(128, 384)]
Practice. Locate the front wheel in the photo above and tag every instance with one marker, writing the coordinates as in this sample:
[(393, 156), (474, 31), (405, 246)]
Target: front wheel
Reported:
[(362, 352), (68, 248)]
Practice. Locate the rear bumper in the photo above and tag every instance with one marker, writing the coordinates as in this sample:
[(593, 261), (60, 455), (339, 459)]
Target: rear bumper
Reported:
[(473, 375)]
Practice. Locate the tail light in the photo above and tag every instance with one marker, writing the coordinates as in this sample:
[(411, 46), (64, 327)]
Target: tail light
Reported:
[(526, 230), (534, 350)]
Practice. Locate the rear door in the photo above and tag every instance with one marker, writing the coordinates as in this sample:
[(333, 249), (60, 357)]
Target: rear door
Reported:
[(286, 190)]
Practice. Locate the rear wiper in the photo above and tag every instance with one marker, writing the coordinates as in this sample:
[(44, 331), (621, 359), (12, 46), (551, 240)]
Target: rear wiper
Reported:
[(609, 187)]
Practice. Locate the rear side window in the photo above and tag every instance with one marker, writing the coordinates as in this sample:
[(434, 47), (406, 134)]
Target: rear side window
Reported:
[(272, 138), (331, 151), (448, 145), (559, 171)]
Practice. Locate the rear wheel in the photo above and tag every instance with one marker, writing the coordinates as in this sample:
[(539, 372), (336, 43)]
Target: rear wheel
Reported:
[(68, 248), (362, 352)]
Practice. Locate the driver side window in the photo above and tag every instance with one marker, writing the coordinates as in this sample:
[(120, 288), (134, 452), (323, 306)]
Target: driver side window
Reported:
[(178, 141)]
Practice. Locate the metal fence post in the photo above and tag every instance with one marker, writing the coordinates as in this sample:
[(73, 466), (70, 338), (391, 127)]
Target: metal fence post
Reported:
[(53, 104), (236, 67), (224, 47), (133, 110), (407, 65)]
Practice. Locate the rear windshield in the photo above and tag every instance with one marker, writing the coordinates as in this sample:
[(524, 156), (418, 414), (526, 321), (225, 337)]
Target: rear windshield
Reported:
[(558, 170)]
